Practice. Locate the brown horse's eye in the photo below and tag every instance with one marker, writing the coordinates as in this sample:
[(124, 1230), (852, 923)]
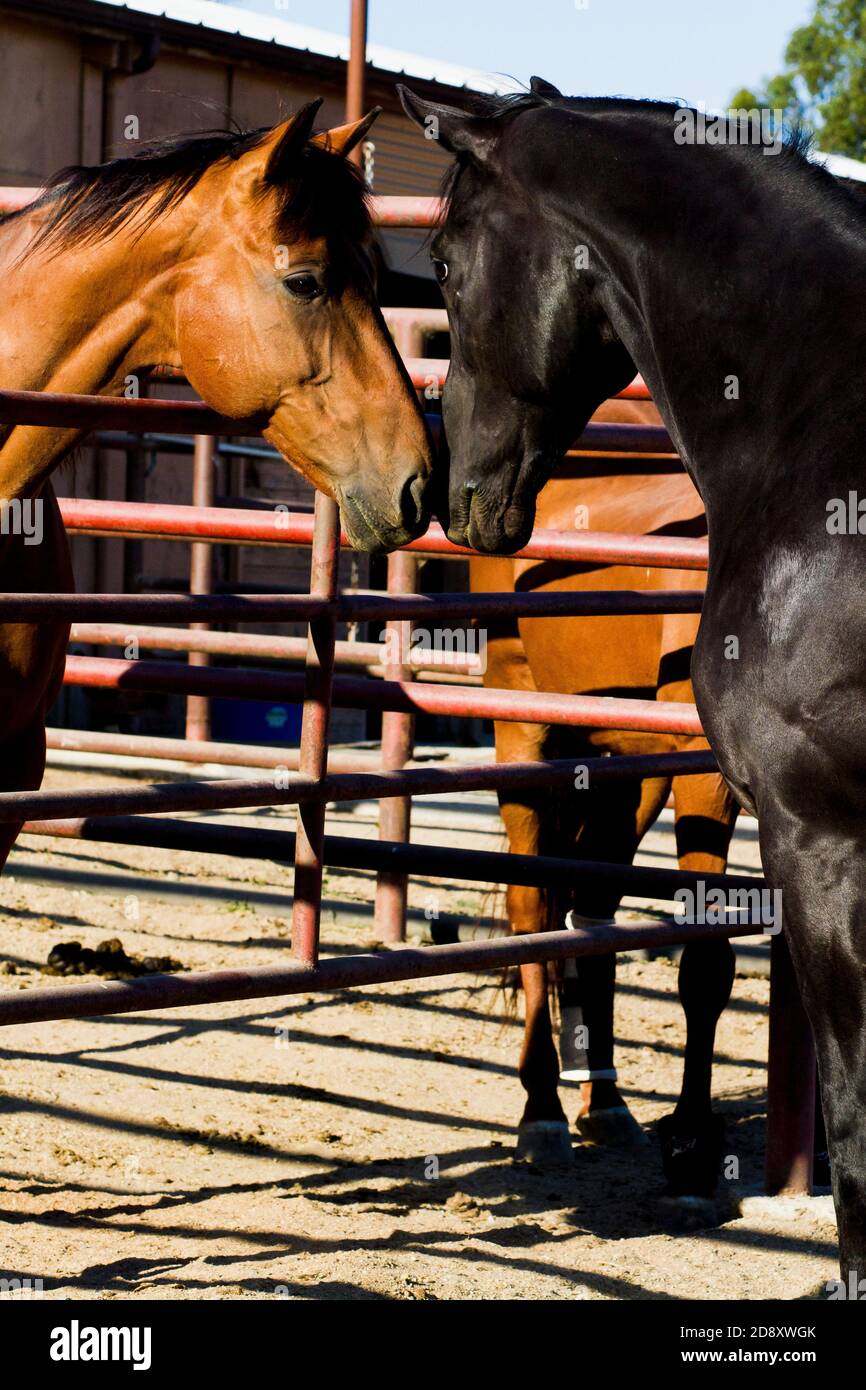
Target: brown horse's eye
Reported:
[(304, 285), (440, 270)]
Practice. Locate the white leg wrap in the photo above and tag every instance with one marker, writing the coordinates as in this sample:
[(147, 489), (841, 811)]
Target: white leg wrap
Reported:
[(583, 1074)]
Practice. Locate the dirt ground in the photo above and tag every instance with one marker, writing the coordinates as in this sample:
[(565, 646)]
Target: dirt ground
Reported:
[(357, 1145)]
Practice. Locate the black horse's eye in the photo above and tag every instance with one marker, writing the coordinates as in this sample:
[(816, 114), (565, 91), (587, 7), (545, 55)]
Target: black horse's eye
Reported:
[(440, 270), (304, 285)]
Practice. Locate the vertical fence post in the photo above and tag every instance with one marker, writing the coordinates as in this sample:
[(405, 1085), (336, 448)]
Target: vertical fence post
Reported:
[(324, 566), (356, 68), (790, 1080), (398, 740), (198, 724), (319, 675), (398, 730)]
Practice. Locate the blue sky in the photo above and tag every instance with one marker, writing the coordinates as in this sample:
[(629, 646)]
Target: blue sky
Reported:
[(645, 48)]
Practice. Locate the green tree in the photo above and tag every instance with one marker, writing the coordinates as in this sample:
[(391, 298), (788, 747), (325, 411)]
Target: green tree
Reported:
[(824, 84)]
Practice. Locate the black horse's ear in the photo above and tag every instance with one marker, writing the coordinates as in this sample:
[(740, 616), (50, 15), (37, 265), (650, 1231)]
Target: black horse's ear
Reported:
[(285, 142), (455, 130), (539, 88)]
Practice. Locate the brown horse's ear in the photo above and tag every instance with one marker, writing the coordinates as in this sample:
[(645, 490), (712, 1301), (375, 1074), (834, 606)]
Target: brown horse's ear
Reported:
[(285, 142), (455, 130), (344, 138)]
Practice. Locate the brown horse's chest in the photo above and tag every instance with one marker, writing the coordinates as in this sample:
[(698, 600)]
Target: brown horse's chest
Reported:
[(628, 655), (602, 654)]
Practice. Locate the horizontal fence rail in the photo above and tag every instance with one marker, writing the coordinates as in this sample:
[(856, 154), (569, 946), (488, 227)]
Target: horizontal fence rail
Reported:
[(223, 795), (271, 526), (357, 692), (348, 608), (252, 644), (263, 982), (194, 417), (142, 746)]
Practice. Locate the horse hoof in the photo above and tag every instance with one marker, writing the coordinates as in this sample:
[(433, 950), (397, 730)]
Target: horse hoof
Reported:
[(691, 1156), (692, 1213), (615, 1127), (546, 1142)]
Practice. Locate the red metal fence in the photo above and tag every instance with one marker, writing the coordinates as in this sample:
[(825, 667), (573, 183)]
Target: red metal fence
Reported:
[(122, 816)]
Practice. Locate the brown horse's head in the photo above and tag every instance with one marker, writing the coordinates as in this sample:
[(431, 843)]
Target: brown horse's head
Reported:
[(275, 316)]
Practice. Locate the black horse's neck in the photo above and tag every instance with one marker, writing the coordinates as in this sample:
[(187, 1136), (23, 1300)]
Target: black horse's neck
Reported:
[(737, 282)]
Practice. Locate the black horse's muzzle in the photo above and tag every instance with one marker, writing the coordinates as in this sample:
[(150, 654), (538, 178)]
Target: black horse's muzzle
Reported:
[(489, 525)]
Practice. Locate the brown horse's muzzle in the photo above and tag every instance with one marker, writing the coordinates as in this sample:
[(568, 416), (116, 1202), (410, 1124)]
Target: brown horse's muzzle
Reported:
[(376, 526)]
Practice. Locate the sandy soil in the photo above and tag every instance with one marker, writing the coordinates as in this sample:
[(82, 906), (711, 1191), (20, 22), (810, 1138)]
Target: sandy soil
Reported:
[(344, 1146)]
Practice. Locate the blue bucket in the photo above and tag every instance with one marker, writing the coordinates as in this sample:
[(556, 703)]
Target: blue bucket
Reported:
[(255, 721)]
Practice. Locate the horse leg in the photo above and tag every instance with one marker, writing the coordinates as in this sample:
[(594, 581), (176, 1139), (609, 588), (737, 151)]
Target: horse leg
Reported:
[(543, 1132), (616, 818), (818, 867), (692, 1138), (22, 763), (32, 656)]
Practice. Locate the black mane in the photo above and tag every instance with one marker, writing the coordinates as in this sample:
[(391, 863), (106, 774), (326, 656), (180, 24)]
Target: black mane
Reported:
[(91, 203), (794, 156)]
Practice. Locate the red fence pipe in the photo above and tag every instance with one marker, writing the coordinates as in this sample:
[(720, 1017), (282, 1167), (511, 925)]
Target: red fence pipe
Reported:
[(429, 371), (356, 783), (341, 851), (423, 371), (360, 786), (387, 211), (245, 526), (194, 417), (318, 696), (790, 1080), (358, 692), (350, 608), (249, 644), (224, 754), (393, 211), (118, 412), (398, 741), (624, 439), (200, 579), (410, 963), (356, 67)]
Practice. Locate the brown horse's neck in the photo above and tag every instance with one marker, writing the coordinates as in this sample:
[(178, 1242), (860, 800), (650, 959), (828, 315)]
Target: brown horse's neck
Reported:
[(78, 320)]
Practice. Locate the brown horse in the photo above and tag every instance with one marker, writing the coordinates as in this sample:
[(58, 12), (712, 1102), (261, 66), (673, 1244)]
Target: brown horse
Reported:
[(645, 657), (243, 259)]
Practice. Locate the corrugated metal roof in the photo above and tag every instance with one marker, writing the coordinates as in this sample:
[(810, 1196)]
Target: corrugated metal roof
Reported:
[(841, 165), (230, 19)]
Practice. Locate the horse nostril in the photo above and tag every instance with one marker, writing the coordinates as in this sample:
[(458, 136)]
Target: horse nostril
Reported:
[(412, 501)]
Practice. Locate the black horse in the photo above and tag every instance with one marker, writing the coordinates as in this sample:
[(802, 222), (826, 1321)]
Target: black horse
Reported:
[(586, 238)]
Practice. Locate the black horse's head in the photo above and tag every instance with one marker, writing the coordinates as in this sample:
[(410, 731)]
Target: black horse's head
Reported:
[(532, 351)]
